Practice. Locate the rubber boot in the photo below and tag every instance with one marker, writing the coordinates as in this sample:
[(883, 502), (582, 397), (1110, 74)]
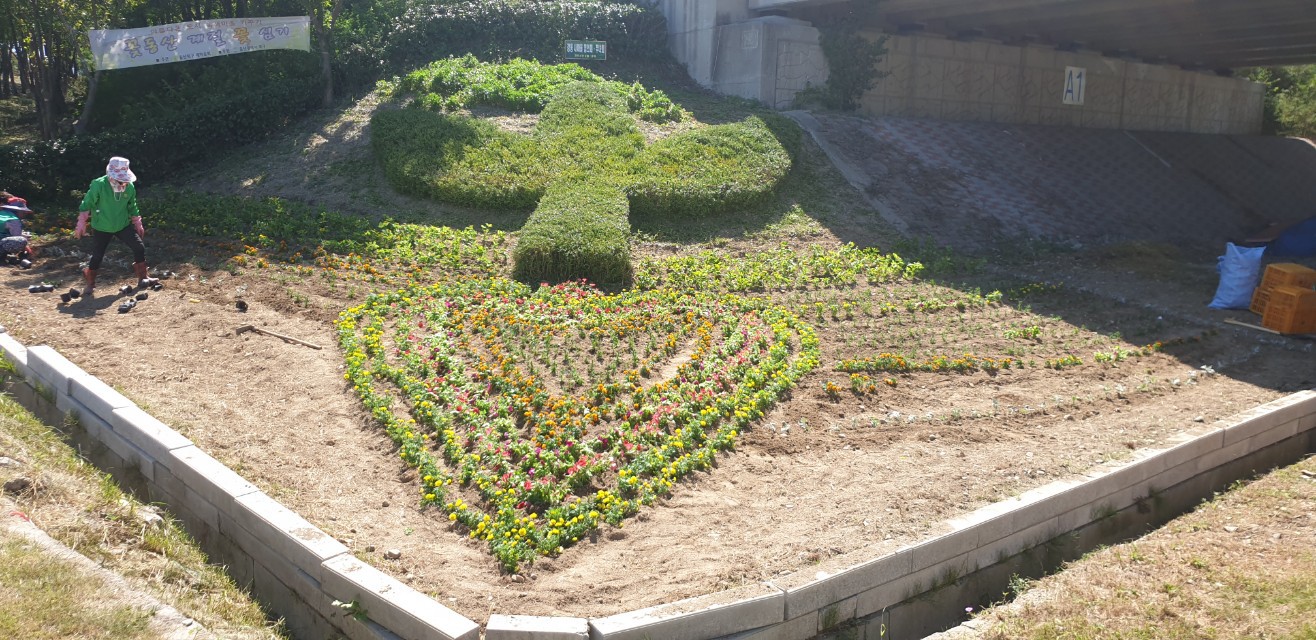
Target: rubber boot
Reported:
[(144, 280), (89, 276)]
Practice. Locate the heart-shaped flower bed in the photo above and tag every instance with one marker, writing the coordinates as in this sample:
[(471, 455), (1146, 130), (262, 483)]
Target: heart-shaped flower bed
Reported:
[(534, 416)]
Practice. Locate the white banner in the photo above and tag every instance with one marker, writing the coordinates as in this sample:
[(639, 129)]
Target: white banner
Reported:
[(125, 48)]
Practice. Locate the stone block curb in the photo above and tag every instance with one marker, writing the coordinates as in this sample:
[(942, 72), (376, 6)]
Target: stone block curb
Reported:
[(709, 616), (802, 628), (100, 398), (848, 582), (208, 477), (101, 431), (148, 434), (14, 351), (53, 369), (406, 612), (502, 627), (290, 536), (1270, 415)]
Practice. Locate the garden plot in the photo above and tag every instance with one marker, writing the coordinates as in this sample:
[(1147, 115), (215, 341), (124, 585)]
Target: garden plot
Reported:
[(925, 401), (917, 390)]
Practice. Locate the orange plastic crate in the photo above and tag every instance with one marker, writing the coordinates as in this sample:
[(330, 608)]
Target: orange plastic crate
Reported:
[(1259, 299), (1282, 273), (1291, 310), (1279, 274)]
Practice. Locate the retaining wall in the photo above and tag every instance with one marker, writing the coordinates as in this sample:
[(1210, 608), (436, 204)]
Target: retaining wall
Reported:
[(300, 572), (932, 77)]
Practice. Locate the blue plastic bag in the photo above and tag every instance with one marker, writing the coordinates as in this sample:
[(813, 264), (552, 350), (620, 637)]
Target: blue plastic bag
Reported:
[(1240, 273)]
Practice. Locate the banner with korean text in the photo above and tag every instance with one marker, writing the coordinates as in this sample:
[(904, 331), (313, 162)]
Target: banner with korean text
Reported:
[(126, 48)]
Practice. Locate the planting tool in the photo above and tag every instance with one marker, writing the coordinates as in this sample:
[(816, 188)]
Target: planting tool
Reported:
[(250, 327)]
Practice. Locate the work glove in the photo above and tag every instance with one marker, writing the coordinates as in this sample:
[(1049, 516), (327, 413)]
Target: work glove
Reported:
[(81, 230), (137, 224)]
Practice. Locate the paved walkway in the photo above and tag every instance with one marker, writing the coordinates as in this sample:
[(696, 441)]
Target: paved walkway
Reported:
[(972, 185)]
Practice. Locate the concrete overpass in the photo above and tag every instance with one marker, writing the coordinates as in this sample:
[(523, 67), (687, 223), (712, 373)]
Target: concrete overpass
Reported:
[(1210, 34), (1148, 64)]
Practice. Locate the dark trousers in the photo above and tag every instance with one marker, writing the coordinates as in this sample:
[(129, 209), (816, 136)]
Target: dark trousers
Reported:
[(100, 240)]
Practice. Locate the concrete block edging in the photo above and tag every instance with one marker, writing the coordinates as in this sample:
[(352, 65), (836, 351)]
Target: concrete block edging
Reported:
[(974, 541), (281, 542)]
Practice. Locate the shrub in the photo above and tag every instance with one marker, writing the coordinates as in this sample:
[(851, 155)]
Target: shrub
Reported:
[(503, 29), (579, 230), (713, 169), (169, 138), (520, 85), (458, 160), (586, 159)]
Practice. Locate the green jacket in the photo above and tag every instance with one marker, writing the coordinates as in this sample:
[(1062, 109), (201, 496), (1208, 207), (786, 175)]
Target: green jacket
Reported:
[(110, 211)]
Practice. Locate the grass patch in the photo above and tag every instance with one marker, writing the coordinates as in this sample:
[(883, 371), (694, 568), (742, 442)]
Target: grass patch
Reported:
[(42, 597), (85, 510), (1231, 570)]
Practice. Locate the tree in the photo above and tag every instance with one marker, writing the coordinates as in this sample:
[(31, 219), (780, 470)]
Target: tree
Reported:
[(1290, 99)]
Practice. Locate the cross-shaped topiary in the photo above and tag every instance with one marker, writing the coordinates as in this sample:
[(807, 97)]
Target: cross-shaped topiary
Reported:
[(584, 169)]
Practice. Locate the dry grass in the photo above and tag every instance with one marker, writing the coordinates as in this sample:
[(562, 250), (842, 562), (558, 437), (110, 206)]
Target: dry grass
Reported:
[(41, 598), (1242, 566), (85, 510)]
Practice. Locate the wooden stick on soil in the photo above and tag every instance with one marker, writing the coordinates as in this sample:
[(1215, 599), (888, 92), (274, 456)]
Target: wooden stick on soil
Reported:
[(249, 327)]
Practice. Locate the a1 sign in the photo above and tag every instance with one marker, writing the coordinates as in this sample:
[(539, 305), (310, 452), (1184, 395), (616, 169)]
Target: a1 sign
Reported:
[(1076, 79), (587, 50)]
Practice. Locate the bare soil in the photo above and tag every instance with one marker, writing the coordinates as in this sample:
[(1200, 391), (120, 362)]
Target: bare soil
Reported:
[(824, 480)]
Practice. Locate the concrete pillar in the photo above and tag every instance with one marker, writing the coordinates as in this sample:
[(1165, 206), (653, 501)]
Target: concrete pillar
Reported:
[(692, 27), (723, 48), (768, 59)]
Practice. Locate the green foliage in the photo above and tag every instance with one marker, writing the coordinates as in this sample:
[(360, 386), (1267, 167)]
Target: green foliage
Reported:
[(586, 150), (712, 169), (584, 131), (505, 29), (180, 124), (520, 85), (851, 61), (1290, 99), (458, 160), (517, 85), (782, 267), (291, 231), (579, 230)]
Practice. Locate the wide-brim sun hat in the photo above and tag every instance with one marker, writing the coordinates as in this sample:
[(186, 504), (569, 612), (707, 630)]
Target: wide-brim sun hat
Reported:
[(18, 205), (118, 169)]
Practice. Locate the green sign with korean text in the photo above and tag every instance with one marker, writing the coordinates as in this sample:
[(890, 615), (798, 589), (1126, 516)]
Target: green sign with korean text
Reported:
[(587, 50)]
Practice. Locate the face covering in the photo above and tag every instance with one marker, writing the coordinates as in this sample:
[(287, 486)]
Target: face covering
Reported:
[(118, 187)]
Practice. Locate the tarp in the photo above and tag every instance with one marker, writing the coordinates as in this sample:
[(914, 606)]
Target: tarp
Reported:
[(126, 48), (1295, 241)]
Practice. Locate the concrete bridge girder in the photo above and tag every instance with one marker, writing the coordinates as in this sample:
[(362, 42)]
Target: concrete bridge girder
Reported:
[(1170, 28)]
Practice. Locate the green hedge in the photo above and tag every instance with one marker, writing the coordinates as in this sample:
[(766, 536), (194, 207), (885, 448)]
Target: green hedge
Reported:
[(583, 132), (473, 163), (171, 138), (458, 160), (586, 165), (520, 85), (712, 169), (503, 29), (517, 85), (579, 230)]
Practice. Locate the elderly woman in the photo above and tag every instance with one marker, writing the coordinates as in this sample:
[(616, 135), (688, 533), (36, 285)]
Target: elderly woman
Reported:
[(110, 207)]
